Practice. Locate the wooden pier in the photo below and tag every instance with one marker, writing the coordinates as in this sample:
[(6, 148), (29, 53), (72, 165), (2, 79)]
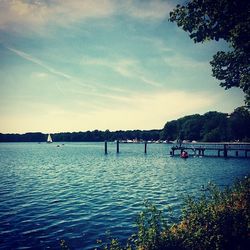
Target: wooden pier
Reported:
[(214, 149), (201, 149)]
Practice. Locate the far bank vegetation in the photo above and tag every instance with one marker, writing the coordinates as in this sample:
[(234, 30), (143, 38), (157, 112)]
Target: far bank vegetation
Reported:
[(210, 127)]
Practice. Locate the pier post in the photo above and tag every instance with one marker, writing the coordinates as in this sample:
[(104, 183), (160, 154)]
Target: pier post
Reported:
[(236, 153), (202, 152), (225, 150), (172, 151), (145, 147), (117, 147), (197, 151), (106, 147)]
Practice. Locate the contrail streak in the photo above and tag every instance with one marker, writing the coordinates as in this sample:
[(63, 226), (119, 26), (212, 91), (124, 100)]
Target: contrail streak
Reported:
[(39, 62)]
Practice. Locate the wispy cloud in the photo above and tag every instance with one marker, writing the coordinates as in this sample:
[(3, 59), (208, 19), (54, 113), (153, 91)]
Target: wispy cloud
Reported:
[(36, 13), (89, 88), (185, 63), (70, 80), (150, 10), (39, 74), (34, 60), (156, 43), (126, 67)]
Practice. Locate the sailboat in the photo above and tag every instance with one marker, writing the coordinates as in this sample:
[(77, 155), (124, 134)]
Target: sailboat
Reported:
[(49, 139)]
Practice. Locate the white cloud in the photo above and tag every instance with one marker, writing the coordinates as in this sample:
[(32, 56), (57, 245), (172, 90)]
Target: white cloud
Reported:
[(70, 79), (156, 43), (21, 13), (74, 10), (85, 88), (126, 67), (122, 66), (39, 74), (35, 14), (150, 10), (182, 62)]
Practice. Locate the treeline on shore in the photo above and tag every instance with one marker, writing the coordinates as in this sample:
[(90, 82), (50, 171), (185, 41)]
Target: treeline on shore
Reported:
[(211, 127), (88, 136)]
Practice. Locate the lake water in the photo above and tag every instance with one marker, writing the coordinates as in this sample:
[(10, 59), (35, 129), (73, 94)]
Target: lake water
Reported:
[(76, 193)]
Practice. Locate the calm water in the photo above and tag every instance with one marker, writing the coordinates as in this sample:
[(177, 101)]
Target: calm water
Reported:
[(75, 192)]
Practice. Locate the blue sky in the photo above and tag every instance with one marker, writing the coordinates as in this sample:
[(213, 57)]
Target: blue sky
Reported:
[(81, 65)]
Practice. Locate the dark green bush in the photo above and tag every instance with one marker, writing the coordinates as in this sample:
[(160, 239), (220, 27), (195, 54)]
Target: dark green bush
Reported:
[(217, 220)]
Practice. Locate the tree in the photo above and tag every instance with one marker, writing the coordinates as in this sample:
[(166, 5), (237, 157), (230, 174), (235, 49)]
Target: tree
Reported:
[(239, 123), (215, 126), (221, 19), (192, 128), (170, 131)]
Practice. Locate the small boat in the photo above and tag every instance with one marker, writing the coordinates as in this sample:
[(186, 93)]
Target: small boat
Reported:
[(49, 139), (184, 155)]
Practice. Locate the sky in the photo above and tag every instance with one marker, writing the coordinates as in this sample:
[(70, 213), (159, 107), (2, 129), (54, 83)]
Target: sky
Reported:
[(78, 65)]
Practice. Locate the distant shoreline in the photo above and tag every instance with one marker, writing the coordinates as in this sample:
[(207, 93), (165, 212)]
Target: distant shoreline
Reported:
[(88, 136), (211, 127)]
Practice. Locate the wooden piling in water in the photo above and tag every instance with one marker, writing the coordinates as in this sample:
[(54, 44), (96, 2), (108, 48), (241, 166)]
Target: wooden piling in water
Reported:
[(203, 150), (225, 150), (106, 147), (145, 147), (117, 147)]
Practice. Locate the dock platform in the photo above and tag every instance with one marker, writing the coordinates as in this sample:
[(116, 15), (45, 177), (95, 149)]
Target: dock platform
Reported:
[(213, 149)]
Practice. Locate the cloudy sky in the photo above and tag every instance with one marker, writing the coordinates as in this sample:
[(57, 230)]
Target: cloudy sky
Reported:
[(77, 65)]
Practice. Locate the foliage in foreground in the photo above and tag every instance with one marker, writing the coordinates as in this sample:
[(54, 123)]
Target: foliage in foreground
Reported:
[(217, 220)]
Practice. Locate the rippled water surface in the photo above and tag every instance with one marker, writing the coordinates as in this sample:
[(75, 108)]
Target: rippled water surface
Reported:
[(75, 192)]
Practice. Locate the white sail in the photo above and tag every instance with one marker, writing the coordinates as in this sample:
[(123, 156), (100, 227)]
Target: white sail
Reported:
[(49, 139)]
